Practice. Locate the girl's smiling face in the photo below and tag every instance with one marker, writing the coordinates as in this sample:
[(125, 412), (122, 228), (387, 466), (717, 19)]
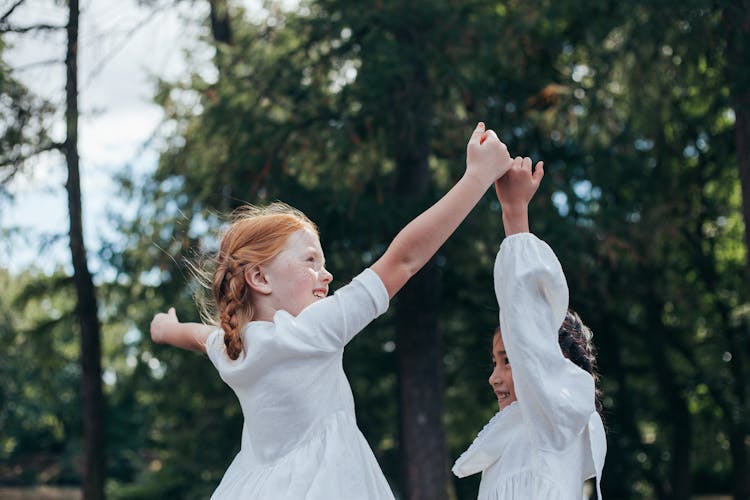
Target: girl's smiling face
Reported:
[(297, 275), (501, 378)]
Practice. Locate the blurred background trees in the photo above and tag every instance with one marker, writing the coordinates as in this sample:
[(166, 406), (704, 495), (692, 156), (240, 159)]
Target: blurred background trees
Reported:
[(358, 114)]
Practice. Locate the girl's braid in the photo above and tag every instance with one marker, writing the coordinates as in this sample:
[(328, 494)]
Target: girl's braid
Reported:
[(232, 300)]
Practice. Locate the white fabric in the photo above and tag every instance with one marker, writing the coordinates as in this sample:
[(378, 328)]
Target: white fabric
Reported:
[(547, 443), (300, 439)]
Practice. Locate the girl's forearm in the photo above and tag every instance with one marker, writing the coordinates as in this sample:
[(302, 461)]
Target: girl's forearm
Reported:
[(191, 336), (423, 237), (419, 240)]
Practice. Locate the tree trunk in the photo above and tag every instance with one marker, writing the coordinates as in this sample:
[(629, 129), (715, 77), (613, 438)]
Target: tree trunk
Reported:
[(677, 411), (680, 484), (419, 353), (741, 104), (737, 22), (618, 477), (86, 307), (736, 17), (221, 27), (423, 456)]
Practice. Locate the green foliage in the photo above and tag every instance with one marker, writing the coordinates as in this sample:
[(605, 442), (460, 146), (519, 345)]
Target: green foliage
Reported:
[(24, 123), (628, 104), (640, 199), (39, 402)]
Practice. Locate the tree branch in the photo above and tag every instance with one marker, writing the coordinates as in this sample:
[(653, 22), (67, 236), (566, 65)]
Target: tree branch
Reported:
[(16, 161), (48, 62), (6, 28), (10, 11)]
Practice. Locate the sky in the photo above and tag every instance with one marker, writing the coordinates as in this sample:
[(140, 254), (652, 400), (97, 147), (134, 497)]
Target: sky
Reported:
[(123, 48)]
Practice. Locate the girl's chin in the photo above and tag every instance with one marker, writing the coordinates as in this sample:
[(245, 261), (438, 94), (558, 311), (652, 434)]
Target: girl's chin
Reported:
[(501, 405)]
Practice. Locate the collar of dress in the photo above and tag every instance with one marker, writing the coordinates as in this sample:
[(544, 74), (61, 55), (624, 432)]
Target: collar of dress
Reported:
[(490, 443)]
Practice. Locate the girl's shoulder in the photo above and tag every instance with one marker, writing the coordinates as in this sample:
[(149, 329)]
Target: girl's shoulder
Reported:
[(252, 334), (215, 340)]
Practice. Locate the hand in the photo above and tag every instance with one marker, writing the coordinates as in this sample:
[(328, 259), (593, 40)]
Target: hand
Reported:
[(487, 157), (516, 188), (161, 323)]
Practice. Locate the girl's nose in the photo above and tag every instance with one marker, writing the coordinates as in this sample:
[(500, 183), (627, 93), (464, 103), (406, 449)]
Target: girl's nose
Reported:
[(327, 277), (494, 377)]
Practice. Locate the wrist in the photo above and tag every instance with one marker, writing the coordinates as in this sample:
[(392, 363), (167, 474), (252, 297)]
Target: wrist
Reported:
[(476, 179), (515, 219), (515, 210)]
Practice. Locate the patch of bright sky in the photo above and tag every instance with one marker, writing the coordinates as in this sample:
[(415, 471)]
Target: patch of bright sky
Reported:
[(123, 49)]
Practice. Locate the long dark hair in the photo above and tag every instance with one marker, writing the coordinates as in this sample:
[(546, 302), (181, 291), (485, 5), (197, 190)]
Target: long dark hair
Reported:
[(575, 339)]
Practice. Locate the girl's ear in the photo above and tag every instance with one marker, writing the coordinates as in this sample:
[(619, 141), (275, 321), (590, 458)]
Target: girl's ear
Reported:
[(256, 279)]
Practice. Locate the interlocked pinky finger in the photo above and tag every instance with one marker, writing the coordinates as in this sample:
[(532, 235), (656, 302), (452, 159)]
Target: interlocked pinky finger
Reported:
[(538, 171), (527, 163)]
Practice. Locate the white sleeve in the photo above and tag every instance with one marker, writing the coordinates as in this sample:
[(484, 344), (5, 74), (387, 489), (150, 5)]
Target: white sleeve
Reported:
[(555, 395), (331, 323), (215, 347)]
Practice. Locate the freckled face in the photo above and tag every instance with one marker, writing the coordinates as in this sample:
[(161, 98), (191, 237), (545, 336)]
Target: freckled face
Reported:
[(501, 378), (297, 275)]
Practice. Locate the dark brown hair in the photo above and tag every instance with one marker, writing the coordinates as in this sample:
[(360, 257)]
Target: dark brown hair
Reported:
[(576, 344)]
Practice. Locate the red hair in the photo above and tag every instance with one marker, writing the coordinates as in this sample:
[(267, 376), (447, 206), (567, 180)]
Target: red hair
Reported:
[(256, 235)]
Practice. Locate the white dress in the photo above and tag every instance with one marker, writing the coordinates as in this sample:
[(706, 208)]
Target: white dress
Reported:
[(300, 439), (547, 443)]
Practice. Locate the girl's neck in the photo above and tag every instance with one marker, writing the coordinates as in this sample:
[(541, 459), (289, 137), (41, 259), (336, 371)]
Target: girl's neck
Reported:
[(263, 309)]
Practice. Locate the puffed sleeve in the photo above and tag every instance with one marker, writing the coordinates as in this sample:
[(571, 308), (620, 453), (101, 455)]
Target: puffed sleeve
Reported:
[(329, 324), (555, 395)]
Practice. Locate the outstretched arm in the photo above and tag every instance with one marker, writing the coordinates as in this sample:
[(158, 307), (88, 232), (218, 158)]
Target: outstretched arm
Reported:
[(167, 329), (514, 191), (486, 159), (555, 395)]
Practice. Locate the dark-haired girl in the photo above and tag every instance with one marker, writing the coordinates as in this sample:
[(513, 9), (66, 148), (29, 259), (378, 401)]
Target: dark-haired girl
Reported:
[(547, 437)]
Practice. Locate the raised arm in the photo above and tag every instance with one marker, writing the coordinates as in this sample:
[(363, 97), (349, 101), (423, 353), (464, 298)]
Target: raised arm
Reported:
[(514, 192), (486, 159), (554, 394), (167, 329)]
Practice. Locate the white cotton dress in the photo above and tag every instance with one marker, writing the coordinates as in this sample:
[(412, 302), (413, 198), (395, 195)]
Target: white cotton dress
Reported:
[(300, 439), (547, 443)]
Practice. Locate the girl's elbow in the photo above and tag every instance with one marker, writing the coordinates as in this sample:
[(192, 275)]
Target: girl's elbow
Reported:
[(395, 280)]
